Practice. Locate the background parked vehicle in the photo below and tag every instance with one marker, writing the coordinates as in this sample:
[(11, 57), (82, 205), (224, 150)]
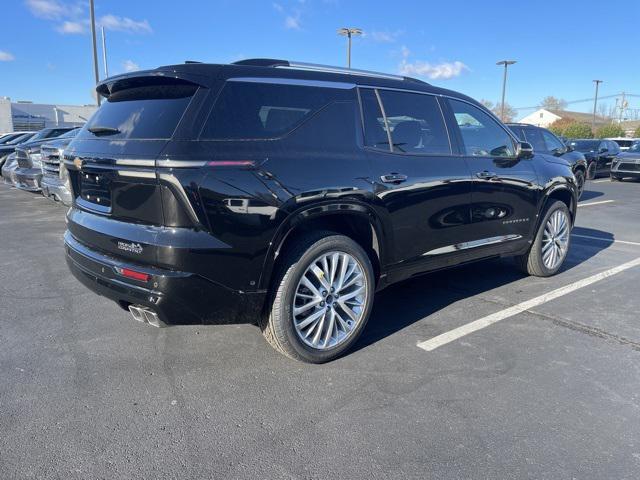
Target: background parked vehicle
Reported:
[(10, 146), (623, 142), (627, 164), (7, 137), (29, 171), (599, 154), (55, 178), (9, 169), (288, 196), (544, 141)]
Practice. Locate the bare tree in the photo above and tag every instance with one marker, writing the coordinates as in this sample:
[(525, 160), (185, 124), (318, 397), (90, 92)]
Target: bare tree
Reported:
[(496, 108), (552, 103)]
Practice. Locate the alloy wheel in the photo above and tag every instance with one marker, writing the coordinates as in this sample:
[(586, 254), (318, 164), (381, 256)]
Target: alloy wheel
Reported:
[(330, 300), (555, 241)]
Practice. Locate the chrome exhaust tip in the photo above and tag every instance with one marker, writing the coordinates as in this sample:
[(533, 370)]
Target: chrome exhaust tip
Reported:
[(144, 314)]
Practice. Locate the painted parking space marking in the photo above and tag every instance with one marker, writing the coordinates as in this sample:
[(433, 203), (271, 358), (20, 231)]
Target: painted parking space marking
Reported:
[(626, 242), (601, 181), (456, 333), (595, 203)]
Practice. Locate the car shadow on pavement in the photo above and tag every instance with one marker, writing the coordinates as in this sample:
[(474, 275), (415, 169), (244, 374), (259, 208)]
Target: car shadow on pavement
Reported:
[(403, 304), (590, 195)]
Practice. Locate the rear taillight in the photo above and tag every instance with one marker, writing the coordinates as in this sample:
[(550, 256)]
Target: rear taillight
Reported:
[(126, 272)]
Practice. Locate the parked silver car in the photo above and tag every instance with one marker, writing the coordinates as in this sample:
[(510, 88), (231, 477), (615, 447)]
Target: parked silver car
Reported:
[(55, 179), (9, 169)]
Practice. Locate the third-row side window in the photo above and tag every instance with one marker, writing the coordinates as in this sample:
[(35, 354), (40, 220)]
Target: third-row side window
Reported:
[(414, 122)]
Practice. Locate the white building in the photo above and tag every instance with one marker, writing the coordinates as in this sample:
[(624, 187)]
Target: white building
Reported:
[(543, 117), (18, 116)]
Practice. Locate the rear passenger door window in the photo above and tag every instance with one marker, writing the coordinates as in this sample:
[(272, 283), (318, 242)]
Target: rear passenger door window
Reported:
[(412, 122), (252, 110), (482, 136), (535, 138)]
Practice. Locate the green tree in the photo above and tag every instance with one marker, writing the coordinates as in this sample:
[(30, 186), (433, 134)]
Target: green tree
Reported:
[(559, 126), (637, 132), (578, 130), (609, 131)]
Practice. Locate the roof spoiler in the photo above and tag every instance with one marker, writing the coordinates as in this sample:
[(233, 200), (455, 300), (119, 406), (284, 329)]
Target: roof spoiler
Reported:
[(159, 76)]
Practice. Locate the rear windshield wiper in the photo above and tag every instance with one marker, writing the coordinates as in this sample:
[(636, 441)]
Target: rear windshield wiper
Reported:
[(99, 130)]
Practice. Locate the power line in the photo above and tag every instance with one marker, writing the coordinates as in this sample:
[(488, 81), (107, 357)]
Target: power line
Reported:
[(582, 100)]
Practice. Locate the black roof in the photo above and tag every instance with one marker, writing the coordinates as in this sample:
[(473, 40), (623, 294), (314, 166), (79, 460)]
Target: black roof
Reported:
[(207, 73)]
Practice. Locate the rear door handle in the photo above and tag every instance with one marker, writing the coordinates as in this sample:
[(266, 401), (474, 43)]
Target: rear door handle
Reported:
[(393, 178), (486, 175)]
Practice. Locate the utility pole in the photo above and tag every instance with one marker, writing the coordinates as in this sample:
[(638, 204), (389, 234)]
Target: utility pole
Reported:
[(595, 105), (104, 53), (506, 64), (623, 106), (349, 32), (95, 48)]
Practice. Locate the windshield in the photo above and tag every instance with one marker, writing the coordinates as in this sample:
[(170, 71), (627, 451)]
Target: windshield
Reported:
[(20, 139), (585, 145), (70, 133), (9, 137)]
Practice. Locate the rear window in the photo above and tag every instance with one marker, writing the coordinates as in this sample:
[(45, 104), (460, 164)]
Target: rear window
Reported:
[(254, 111), (144, 112)]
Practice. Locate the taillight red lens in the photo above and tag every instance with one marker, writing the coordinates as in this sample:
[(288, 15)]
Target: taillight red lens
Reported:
[(230, 163), (125, 272)]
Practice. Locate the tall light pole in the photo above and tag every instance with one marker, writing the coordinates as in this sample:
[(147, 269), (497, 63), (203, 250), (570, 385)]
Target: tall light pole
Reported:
[(506, 64), (104, 53), (95, 48), (349, 32), (595, 105)]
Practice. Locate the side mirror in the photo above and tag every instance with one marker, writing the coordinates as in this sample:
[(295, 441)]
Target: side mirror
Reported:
[(569, 148), (524, 150), (603, 150)]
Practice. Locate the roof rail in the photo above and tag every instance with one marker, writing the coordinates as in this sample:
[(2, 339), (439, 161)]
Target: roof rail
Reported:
[(268, 62)]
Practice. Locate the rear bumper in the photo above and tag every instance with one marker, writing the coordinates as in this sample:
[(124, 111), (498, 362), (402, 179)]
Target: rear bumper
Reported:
[(28, 179), (177, 297), (55, 188)]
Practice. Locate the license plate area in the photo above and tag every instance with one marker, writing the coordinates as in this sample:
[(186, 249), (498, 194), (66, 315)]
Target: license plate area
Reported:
[(95, 190)]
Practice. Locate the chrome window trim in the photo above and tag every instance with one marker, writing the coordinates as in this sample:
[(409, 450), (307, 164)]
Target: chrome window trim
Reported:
[(342, 70), (180, 163)]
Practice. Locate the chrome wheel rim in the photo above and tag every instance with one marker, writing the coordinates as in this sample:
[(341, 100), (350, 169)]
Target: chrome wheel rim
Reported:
[(330, 300), (555, 241)]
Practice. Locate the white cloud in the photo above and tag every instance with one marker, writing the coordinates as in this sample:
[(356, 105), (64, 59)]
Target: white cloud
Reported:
[(49, 9), (6, 56), (439, 71), (292, 22), (130, 66), (124, 24), (72, 27), (384, 36), (278, 8)]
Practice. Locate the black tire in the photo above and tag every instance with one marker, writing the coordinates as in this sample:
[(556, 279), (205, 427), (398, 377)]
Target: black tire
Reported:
[(532, 262), (580, 179), (591, 171), (278, 324)]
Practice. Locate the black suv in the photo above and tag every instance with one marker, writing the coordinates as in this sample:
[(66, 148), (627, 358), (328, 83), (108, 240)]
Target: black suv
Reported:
[(288, 194), (544, 141), (600, 154)]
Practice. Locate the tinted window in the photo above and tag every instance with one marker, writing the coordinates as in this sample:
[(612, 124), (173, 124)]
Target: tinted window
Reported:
[(375, 134), (251, 110), (21, 138), (585, 145), (553, 144), (56, 132), (535, 138), (481, 134), (519, 132), (142, 112), (415, 122), (614, 147)]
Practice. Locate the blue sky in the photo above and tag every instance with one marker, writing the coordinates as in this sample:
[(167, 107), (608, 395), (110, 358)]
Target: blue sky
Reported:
[(560, 46)]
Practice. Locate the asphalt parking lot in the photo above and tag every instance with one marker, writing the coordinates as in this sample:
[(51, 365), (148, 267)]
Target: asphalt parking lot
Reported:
[(552, 391)]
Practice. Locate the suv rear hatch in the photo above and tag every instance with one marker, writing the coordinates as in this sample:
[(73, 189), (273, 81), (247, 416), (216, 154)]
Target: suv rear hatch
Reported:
[(119, 202)]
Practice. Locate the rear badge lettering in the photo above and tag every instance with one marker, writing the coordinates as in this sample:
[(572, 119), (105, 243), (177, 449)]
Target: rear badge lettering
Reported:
[(130, 247)]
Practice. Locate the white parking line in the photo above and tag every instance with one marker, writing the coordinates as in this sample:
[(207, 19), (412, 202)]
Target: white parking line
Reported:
[(601, 181), (476, 325), (594, 203), (605, 239)]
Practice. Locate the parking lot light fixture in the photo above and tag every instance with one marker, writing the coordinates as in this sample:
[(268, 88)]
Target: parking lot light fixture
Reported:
[(349, 32), (595, 105), (506, 64)]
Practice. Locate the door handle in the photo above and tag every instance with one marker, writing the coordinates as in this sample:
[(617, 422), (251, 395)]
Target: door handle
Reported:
[(486, 175), (393, 178)]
